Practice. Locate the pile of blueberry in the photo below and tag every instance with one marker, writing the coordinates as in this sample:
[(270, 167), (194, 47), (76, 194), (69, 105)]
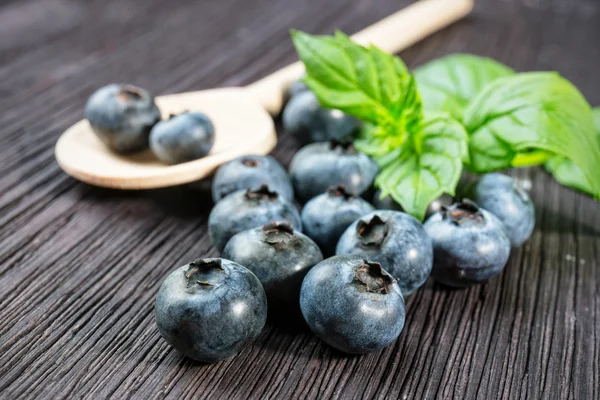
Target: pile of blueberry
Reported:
[(345, 262), (126, 119)]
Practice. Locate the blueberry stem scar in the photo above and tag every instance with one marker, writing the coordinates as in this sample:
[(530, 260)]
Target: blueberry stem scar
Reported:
[(344, 145), (262, 192), (462, 212), (129, 93), (200, 267), (372, 233), (173, 115), (373, 277), (248, 162), (340, 191), (278, 233)]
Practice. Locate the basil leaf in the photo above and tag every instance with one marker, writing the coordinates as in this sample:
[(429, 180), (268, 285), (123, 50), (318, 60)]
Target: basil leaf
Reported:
[(566, 172), (426, 166), (449, 83), (379, 139), (367, 83), (526, 112)]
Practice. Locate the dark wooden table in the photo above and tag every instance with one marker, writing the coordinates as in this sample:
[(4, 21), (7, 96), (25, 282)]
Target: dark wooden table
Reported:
[(80, 266)]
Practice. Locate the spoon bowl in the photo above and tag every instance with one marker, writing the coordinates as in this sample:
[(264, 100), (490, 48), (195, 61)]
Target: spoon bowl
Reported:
[(242, 127)]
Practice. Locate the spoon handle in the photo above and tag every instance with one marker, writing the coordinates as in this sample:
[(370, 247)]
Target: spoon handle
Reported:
[(392, 34)]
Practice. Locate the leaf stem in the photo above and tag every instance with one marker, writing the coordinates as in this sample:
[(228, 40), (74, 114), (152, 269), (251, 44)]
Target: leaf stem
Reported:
[(528, 159)]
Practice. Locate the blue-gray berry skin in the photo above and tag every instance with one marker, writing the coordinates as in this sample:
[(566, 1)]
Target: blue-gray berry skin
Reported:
[(352, 304), (469, 244), (296, 88), (304, 118), (388, 203), (122, 116), (210, 309), (247, 209), (326, 216), (278, 255), (251, 172), (184, 137), (394, 239), (318, 166), (504, 197)]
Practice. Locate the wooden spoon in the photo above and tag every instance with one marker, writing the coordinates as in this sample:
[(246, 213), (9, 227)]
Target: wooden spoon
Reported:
[(243, 124)]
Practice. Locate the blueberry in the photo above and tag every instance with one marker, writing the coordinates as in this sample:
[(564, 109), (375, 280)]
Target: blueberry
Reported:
[(122, 116), (251, 172), (388, 203), (210, 309), (279, 256), (506, 199), (352, 304), (469, 244), (318, 166), (296, 88), (304, 118), (246, 209), (524, 179), (184, 137), (326, 217), (394, 239)]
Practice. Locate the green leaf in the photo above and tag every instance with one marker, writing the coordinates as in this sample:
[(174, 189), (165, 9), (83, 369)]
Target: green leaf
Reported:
[(449, 83), (379, 139), (367, 83), (566, 172), (514, 115), (426, 166)]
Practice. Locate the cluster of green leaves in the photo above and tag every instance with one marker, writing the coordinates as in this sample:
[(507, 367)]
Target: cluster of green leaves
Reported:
[(516, 119), (419, 154), (364, 82), (457, 110)]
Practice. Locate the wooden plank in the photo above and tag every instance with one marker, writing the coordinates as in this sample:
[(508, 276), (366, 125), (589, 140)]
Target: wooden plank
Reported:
[(80, 266)]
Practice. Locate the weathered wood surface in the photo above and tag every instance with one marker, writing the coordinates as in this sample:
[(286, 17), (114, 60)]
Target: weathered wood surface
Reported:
[(80, 266)]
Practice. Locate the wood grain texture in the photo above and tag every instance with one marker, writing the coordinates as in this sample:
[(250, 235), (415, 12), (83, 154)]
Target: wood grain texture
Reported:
[(80, 266)]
